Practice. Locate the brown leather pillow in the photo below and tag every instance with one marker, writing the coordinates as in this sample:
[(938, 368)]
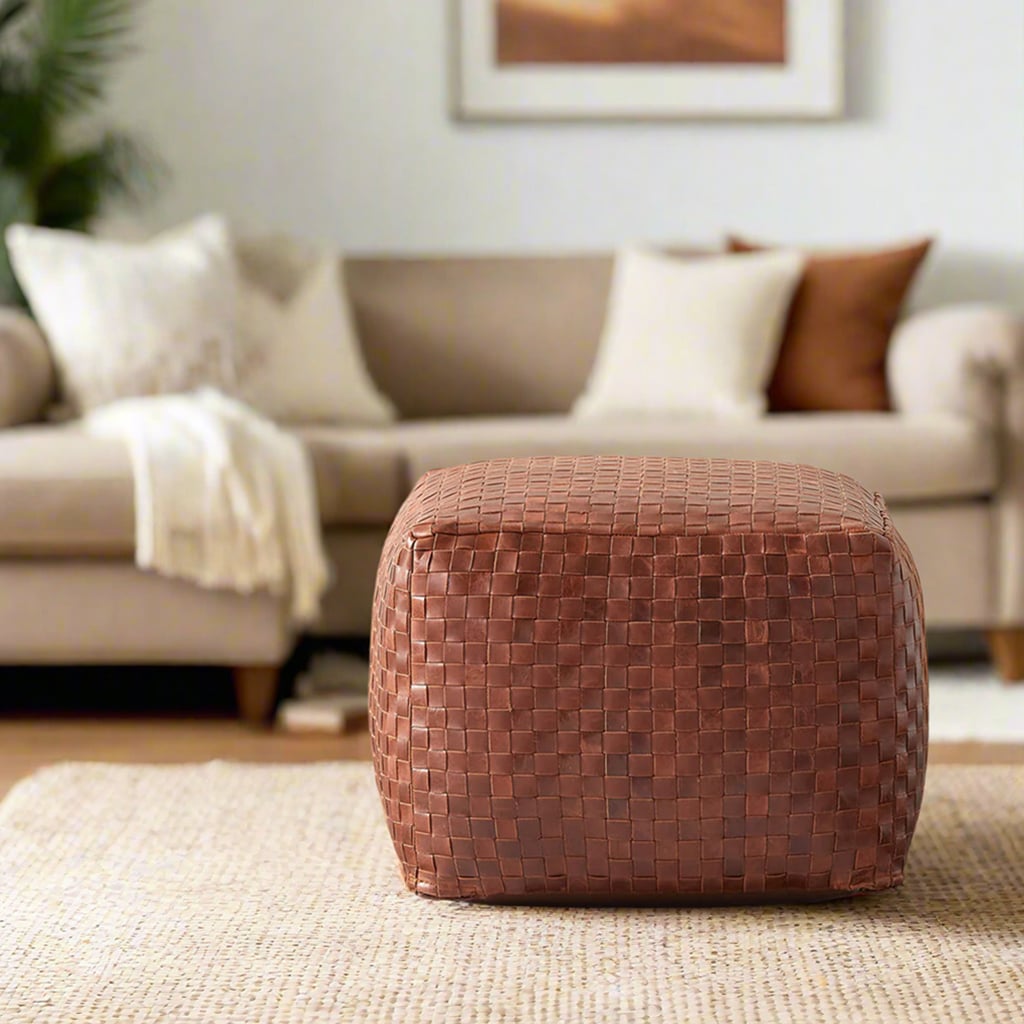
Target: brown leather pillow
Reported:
[(840, 323)]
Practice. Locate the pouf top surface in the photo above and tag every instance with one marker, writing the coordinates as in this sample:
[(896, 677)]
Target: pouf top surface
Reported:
[(613, 495)]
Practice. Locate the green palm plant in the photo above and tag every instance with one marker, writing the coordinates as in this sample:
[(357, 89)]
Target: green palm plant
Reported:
[(55, 56)]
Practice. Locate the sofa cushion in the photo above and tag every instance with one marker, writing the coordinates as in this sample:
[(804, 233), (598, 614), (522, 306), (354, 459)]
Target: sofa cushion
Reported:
[(905, 458), (66, 493), (124, 320), (840, 323), (63, 492), (360, 474), (690, 337)]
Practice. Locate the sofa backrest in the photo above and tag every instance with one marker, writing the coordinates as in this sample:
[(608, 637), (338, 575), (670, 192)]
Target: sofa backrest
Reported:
[(447, 336), (485, 335), (451, 335)]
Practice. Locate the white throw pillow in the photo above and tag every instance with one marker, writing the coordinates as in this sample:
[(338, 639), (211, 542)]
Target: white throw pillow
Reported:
[(302, 362), (695, 337), (126, 320)]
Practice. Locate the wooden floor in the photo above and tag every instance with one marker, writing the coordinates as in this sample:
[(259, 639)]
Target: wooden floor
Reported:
[(27, 744)]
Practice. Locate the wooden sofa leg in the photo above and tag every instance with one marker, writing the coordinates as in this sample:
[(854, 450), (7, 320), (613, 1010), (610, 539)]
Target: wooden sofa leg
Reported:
[(1006, 647), (256, 688)]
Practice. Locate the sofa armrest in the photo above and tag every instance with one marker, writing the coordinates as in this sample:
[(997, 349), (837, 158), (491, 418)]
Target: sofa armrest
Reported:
[(26, 369), (956, 360), (969, 361)]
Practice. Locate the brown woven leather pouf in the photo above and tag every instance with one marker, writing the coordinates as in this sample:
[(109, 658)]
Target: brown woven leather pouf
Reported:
[(608, 680)]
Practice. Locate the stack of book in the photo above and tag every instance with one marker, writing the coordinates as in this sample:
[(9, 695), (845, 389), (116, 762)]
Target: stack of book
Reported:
[(330, 696)]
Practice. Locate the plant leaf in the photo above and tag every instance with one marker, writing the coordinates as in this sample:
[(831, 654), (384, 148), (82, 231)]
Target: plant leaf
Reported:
[(10, 11), (15, 208), (74, 43), (26, 134), (78, 186)]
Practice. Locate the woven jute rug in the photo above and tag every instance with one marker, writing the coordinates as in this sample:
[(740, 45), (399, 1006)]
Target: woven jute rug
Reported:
[(220, 893)]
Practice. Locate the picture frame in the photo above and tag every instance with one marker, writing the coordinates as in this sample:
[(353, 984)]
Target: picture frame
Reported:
[(807, 83)]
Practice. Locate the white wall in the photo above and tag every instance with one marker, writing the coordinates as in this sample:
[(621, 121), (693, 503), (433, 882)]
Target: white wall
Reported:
[(330, 118)]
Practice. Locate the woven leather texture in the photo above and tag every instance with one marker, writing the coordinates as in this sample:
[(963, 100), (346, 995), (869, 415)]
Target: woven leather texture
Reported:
[(619, 680)]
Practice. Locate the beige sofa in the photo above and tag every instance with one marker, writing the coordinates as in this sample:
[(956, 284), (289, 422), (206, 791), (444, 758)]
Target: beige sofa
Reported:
[(483, 357)]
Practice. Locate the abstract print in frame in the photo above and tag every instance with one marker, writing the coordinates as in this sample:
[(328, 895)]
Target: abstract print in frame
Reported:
[(625, 59)]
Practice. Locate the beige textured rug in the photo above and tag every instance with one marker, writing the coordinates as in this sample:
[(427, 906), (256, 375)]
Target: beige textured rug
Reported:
[(219, 894)]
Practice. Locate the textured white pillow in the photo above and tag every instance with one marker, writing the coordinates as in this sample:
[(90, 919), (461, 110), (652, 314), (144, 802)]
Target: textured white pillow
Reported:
[(302, 361), (127, 320), (696, 337)]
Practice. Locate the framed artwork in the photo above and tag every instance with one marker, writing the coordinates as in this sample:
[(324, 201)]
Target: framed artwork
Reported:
[(647, 59)]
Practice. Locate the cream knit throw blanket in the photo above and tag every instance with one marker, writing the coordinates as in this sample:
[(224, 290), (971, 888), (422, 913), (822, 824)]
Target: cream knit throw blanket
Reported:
[(223, 497)]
